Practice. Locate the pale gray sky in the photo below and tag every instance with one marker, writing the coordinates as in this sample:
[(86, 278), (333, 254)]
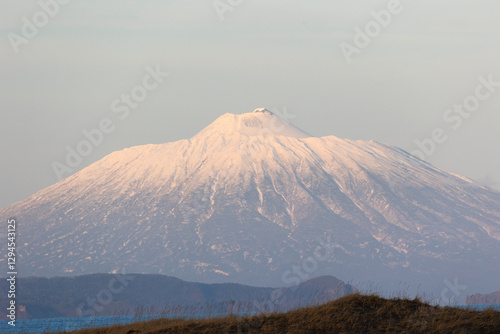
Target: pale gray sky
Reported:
[(275, 54)]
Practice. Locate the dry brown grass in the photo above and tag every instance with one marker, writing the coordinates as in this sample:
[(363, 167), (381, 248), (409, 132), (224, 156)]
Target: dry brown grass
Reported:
[(354, 313)]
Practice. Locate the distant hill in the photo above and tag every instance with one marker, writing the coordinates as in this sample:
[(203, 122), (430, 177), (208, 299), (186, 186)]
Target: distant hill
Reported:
[(486, 299), (108, 294), (350, 314)]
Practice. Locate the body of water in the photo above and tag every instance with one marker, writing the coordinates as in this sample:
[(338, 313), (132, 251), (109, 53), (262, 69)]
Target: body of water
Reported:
[(67, 324), (482, 307)]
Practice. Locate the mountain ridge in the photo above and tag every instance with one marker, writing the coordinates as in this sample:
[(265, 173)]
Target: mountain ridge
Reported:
[(125, 294)]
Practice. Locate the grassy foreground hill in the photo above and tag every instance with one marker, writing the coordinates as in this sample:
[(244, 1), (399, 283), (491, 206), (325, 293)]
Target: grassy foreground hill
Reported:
[(353, 313)]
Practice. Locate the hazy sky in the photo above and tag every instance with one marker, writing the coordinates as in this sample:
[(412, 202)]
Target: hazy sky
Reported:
[(234, 56)]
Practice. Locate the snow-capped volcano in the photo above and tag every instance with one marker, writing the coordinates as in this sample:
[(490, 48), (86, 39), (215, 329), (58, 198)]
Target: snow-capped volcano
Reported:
[(253, 199)]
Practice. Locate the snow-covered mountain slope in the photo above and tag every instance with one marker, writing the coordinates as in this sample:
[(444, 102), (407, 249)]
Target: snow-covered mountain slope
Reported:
[(252, 199)]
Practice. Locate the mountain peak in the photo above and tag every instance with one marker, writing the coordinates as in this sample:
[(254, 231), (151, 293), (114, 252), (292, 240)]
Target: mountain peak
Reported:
[(263, 110), (260, 122)]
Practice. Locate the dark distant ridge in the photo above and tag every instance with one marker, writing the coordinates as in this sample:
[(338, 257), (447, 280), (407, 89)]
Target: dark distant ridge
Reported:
[(484, 299), (108, 294)]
